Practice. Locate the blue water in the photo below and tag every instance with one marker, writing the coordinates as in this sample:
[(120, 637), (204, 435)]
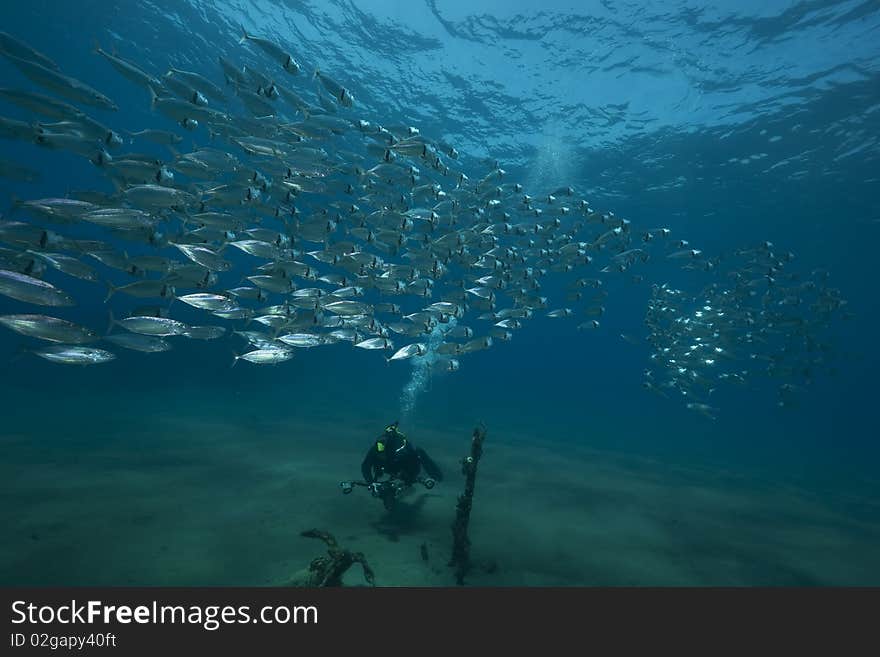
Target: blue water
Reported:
[(730, 124)]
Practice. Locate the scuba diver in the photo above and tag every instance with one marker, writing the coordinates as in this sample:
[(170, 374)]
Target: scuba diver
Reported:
[(393, 455)]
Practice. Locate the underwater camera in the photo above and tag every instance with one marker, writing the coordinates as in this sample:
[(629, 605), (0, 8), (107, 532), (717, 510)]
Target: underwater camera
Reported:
[(388, 491)]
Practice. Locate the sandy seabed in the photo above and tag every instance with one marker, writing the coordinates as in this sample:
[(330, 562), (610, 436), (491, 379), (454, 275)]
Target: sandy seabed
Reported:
[(187, 500)]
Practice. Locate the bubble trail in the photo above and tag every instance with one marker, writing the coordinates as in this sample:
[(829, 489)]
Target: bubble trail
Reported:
[(421, 369)]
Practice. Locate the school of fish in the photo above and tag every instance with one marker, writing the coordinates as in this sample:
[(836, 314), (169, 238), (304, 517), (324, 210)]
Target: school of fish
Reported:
[(351, 231)]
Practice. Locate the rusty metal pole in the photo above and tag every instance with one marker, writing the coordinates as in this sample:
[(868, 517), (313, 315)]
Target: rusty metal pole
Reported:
[(461, 544)]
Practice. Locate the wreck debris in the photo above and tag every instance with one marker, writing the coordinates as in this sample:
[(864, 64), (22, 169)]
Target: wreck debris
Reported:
[(461, 544), (328, 570)]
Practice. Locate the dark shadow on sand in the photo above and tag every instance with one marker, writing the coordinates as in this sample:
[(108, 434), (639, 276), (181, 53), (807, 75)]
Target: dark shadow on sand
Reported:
[(405, 517)]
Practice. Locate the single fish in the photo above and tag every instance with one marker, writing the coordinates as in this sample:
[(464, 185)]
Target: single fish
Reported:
[(142, 289), (276, 52), (257, 248), (208, 301), (703, 409), (147, 325), (202, 255), (204, 332), (67, 355), (162, 137), (67, 264), (375, 343), (41, 104), (185, 112), (32, 290), (233, 73), (349, 308), (9, 44), (48, 328), (70, 88), (277, 284), (158, 197), (341, 94), (199, 83), (119, 218), (137, 342), (14, 129), (302, 340), (266, 356), (181, 89), (409, 351), (129, 70)]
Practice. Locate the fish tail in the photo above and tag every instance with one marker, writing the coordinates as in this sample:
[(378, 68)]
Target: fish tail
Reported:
[(111, 290), (16, 204), (235, 359), (154, 89), (96, 46), (111, 322), (244, 35), (153, 98)]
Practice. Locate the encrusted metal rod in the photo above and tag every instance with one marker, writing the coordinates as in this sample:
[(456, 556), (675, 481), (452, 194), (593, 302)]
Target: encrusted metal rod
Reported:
[(461, 544)]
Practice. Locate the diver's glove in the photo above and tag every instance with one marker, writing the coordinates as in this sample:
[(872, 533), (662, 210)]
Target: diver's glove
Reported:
[(374, 488)]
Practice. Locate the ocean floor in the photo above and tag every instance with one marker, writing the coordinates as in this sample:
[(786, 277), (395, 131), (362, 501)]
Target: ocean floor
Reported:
[(176, 498)]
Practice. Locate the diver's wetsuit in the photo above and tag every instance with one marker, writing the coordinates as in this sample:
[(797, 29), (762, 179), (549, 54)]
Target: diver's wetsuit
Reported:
[(393, 455)]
